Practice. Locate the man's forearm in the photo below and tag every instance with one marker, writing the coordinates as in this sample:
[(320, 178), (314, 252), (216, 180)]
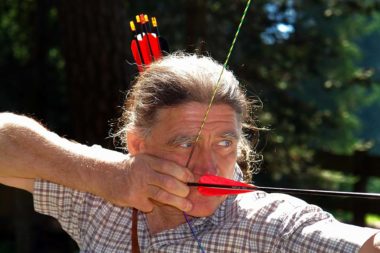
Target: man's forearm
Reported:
[(28, 150)]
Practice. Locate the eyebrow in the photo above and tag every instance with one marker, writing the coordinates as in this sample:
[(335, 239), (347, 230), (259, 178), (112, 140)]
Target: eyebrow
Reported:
[(230, 134), (179, 139)]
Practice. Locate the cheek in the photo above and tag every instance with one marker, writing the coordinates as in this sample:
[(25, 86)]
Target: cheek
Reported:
[(227, 165), (180, 159)]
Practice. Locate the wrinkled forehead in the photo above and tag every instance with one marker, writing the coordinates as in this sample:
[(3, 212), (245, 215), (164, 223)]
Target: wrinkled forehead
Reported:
[(194, 115)]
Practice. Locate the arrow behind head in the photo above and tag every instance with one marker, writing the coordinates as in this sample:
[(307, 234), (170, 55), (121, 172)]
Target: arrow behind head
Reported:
[(147, 46)]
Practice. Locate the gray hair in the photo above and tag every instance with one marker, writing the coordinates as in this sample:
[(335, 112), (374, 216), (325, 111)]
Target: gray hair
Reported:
[(180, 78)]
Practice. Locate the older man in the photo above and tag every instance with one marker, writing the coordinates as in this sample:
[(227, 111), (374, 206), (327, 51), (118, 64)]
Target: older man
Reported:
[(95, 193)]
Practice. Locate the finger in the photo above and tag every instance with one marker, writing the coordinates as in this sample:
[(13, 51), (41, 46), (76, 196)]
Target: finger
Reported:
[(170, 184), (376, 240), (170, 168), (165, 197), (143, 203), (145, 207)]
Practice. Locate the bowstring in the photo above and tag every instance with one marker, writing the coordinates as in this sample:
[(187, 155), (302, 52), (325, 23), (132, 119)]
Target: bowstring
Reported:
[(208, 110), (218, 82)]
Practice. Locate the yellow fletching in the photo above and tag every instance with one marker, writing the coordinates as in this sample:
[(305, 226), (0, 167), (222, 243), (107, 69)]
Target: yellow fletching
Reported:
[(132, 25), (146, 18), (154, 22), (138, 19)]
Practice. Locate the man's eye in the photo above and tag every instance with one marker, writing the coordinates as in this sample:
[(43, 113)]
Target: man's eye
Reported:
[(225, 143), (186, 145)]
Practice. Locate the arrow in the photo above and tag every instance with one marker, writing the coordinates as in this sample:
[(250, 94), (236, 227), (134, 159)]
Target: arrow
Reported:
[(211, 185), (164, 46), (135, 47), (147, 46), (149, 38)]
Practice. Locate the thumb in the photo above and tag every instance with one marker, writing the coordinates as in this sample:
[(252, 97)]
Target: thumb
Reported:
[(376, 240)]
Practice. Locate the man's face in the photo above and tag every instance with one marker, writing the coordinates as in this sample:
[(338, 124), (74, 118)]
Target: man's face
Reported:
[(173, 136)]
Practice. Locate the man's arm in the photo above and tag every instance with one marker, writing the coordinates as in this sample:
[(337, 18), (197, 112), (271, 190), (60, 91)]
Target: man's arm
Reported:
[(29, 151), (20, 183)]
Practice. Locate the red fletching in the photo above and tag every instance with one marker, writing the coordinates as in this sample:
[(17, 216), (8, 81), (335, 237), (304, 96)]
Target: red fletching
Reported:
[(137, 55), (145, 51), (211, 185), (155, 45), (146, 46)]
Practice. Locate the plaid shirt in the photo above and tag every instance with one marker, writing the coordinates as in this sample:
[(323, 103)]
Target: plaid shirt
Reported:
[(252, 222)]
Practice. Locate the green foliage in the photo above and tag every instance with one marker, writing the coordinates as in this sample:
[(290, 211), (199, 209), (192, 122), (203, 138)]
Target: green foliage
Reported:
[(31, 61), (14, 32), (374, 185), (373, 220), (312, 84)]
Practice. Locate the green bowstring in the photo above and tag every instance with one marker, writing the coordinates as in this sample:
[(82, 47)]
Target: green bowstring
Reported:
[(218, 82), (208, 110)]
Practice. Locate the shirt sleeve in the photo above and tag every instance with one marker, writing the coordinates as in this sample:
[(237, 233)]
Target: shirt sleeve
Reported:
[(310, 229), (68, 206)]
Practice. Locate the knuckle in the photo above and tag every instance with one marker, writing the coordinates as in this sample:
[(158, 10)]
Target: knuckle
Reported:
[(161, 196), (147, 208), (175, 187), (170, 185)]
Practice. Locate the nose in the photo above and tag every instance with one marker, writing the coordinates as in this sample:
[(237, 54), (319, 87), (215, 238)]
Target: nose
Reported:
[(204, 162)]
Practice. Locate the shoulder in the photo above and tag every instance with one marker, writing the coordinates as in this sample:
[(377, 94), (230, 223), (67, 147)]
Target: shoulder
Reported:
[(270, 202), (83, 215), (279, 212)]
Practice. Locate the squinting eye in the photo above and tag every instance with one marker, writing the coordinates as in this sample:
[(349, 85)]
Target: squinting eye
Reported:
[(225, 143), (186, 145)]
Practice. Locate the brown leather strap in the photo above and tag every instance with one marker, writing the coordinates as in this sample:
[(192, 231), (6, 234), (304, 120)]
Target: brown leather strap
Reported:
[(134, 235)]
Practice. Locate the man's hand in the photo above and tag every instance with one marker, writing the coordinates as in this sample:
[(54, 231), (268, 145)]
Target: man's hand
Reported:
[(146, 180), (376, 241), (372, 245)]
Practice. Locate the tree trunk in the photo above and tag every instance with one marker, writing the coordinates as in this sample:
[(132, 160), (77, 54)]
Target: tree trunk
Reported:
[(95, 46), (361, 163), (196, 25)]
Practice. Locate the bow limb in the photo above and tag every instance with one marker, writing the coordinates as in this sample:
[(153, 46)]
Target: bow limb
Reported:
[(218, 82)]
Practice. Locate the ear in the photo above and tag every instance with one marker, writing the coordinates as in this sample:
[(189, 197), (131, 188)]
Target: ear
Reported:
[(134, 142)]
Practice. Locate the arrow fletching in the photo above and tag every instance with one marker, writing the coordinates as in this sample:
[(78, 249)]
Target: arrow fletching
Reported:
[(211, 185), (147, 46)]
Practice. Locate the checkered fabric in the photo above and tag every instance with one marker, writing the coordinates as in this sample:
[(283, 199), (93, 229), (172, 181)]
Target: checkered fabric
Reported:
[(252, 222)]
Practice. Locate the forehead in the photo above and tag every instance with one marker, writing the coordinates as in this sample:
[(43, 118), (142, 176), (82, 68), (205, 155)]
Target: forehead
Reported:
[(188, 117)]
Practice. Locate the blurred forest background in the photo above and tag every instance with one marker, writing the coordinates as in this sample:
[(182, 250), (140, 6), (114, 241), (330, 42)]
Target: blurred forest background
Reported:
[(314, 64)]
